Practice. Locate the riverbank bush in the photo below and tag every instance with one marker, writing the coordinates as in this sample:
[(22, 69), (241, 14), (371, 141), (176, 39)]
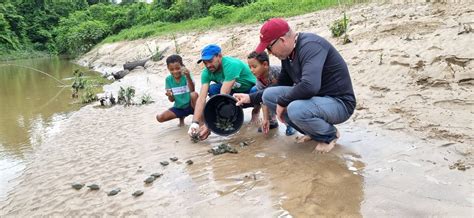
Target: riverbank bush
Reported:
[(73, 27)]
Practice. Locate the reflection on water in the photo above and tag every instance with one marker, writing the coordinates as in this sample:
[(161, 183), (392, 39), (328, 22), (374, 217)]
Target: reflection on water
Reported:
[(304, 184), (30, 102)]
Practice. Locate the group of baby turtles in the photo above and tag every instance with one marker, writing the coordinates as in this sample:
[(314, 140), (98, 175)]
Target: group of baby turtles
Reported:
[(148, 180), (226, 148), (95, 187), (216, 150), (224, 124)]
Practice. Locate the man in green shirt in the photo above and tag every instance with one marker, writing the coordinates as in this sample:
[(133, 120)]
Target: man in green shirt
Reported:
[(229, 75)]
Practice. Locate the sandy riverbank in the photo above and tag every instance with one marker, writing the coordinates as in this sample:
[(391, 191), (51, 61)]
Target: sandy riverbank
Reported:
[(413, 75)]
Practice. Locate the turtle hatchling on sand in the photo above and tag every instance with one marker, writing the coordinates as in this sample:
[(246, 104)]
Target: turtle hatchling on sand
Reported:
[(189, 162), (173, 159), (164, 163), (94, 187), (149, 179), (137, 193), (156, 175), (113, 192), (77, 186), (195, 138), (222, 148)]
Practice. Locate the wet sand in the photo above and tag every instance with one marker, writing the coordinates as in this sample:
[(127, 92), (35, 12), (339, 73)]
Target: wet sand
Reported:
[(372, 172), (97, 147), (393, 159)]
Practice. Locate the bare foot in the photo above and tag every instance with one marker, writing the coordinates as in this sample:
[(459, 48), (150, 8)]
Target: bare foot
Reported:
[(302, 139), (181, 122), (323, 147)]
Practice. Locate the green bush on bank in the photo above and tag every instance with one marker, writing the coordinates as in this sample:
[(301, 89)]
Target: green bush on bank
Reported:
[(74, 27), (257, 11), (219, 11)]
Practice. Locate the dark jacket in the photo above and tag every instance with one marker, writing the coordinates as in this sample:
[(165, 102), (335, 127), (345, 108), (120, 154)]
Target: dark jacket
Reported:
[(316, 69)]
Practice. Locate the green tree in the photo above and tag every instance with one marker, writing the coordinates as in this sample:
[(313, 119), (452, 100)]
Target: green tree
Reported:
[(219, 10), (93, 2), (164, 4), (127, 2)]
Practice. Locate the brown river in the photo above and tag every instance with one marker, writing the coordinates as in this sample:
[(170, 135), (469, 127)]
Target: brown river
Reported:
[(31, 103)]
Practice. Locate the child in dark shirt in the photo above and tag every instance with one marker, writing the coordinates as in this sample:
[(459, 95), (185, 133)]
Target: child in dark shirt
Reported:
[(266, 75)]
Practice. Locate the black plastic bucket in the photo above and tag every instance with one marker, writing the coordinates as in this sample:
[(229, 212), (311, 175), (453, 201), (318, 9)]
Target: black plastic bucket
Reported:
[(222, 116)]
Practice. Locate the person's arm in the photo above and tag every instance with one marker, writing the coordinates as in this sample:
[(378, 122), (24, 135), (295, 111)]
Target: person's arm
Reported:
[(265, 120), (200, 103), (312, 57), (227, 87), (189, 80), (256, 97)]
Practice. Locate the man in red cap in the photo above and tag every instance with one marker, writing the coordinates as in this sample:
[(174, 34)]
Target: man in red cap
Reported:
[(314, 89)]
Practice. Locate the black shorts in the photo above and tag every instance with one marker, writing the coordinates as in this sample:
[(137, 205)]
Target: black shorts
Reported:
[(182, 112)]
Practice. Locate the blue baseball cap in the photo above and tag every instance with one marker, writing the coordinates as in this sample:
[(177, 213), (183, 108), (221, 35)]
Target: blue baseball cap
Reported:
[(208, 52)]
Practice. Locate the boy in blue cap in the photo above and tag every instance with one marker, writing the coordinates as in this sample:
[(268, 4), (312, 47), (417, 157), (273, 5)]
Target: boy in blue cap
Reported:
[(230, 75)]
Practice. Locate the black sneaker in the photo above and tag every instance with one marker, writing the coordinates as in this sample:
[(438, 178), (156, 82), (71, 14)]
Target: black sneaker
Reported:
[(273, 124)]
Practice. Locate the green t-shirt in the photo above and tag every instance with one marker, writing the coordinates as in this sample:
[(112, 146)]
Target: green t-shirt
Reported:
[(232, 68), (180, 90)]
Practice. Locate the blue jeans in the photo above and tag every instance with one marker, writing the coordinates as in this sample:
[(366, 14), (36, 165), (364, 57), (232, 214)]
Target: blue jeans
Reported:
[(314, 117), (253, 89), (215, 89)]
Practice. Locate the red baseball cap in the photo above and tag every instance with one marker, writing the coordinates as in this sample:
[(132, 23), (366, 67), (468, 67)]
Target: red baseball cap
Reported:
[(271, 30)]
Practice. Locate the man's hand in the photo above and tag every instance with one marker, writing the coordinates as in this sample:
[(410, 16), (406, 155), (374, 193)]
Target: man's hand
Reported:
[(242, 98), (204, 132), (280, 111), (265, 126), (193, 129)]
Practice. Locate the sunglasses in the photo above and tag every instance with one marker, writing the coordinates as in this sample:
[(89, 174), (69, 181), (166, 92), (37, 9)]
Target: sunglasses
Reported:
[(269, 47)]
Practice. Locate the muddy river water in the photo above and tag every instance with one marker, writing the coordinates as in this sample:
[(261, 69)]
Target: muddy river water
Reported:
[(30, 103)]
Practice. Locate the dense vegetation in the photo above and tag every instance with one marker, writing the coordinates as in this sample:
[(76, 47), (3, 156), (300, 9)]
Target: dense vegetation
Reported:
[(32, 27)]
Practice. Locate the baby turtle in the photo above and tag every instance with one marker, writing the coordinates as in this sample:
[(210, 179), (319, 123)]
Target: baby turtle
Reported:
[(195, 138), (164, 163), (94, 187), (189, 162), (77, 186), (149, 179), (113, 192), (222, 148), (243, 144), (224, 124), (173, 159), (156, 175), (137, 193)]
